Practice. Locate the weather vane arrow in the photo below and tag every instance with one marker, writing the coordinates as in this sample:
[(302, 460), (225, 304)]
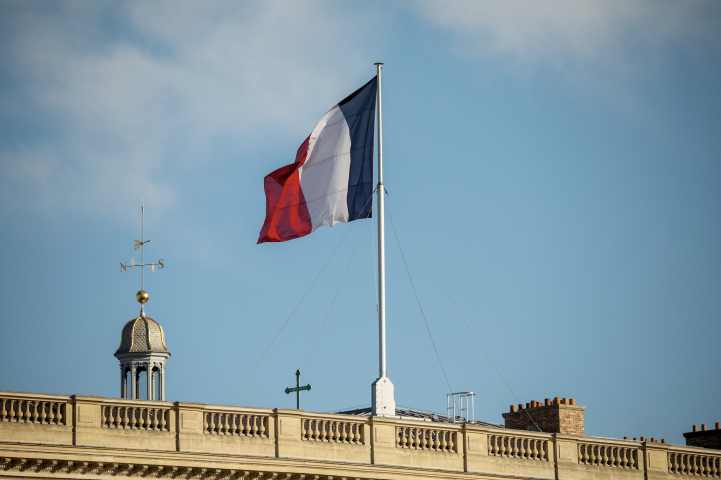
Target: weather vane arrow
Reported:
[(142, 296)]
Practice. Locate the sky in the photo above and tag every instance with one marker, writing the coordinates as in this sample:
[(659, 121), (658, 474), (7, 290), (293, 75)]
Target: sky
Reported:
[(558, 162)]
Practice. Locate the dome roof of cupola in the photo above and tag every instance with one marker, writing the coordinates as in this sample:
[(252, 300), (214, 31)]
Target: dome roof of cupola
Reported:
[(142, 334)]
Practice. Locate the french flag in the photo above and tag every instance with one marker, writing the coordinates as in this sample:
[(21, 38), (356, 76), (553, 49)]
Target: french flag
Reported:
[(331, 180)]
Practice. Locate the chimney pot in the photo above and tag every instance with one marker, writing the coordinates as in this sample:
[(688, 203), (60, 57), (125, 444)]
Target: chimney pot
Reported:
[(564, 401), (718, 426), (695, 428), (663, 440), (635, 439), (643, 439), (557, 401), (625, 438), (703, 427), (653, 440), (528, 405), (520, 406), (548, 402), (573, 401), (513, 408)]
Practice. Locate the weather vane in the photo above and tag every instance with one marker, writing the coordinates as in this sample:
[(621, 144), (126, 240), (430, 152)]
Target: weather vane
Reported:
[(142, 296)]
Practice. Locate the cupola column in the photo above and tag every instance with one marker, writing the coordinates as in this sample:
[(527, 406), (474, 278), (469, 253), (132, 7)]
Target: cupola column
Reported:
[(133, 382), (161, 379), (123, 382), (149, 378)]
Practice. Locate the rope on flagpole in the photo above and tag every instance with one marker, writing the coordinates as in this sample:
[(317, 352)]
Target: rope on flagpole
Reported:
[(418, 299), (331, 305), (457, 309), (301, 300)]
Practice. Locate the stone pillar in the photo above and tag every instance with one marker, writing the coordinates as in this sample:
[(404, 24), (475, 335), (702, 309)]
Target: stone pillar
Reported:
[(149, 378), (161, 379), (151, 372), (123, 382), (133, 382)]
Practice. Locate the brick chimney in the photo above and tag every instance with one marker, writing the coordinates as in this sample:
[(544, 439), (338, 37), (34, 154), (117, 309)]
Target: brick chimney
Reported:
[(704, 438), (551, 416)]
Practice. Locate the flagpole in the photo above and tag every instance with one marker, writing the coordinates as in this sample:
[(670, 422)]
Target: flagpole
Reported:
[(383, 402), (381, 240)]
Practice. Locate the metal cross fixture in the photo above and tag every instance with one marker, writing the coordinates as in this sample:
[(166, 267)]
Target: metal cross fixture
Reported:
[(298, 388), (142, 296)]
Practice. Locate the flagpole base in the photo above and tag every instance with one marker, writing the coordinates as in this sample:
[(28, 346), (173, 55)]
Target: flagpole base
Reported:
[(382, 399)]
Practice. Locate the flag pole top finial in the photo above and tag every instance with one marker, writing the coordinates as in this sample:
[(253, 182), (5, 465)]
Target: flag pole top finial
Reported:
[(378, 63)]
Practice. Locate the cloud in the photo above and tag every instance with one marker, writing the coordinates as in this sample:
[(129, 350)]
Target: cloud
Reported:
[(568, 33), (101, 98)]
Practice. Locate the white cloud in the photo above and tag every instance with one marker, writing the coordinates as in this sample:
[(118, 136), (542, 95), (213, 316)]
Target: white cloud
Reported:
[(572, 33), (119, 87)]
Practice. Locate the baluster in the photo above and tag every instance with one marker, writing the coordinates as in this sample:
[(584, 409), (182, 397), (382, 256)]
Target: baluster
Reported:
[(238, 422), (314, 430), (534, 449), (59, 416), (521, 448), (401, 436), (433, 440), (162, 420), (11, 415), (604, 459), (632, 458), (256, 420), (211, 423), (262, 429), (51, 414), (104, 417), (451, 443), (714, 471), (692, 464), (408, 436), (673, 460), (513, 446), (43, 415), (333, 431), (422, 440), (154, 425), (26, 412), (502, 445), (146, 418), (591, 454), (125, 417), (356, 433), (542, 449), (492, 445), (242, 425), (34, 416), (623, 452), (706, 468), (616, 456), (205, 422), (412, 437), (343, 433), (225, 424), (444, 443), (3, 412), (583, 453), (130, 411)]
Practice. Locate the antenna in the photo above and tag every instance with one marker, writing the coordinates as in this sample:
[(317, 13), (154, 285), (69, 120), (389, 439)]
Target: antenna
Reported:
[(142, 296)]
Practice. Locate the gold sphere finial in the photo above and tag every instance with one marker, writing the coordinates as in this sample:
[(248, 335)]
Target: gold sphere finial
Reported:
[(142, 296)]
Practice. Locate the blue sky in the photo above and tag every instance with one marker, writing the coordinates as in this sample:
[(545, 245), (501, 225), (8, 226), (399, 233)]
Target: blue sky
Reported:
[(558, 162)]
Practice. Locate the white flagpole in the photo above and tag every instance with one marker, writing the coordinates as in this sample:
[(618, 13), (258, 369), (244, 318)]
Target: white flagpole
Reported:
[(383, 402)]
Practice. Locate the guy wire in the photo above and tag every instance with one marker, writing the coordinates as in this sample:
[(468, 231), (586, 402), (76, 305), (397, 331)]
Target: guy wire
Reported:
[(331, 305), (457, 310), (417, 299), (301, 300)]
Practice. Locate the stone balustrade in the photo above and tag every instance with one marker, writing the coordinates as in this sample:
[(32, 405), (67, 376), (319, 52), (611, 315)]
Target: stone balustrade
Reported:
[(702, 465), (139, 418), (219, 423), (327, 430), (44, 435), (608, 455), (29, 410), (433, 439), (518, 446)]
